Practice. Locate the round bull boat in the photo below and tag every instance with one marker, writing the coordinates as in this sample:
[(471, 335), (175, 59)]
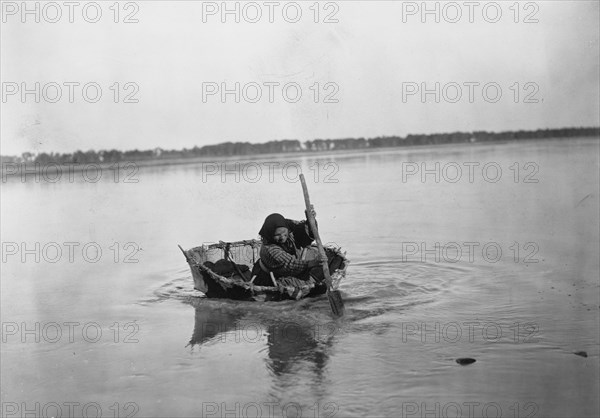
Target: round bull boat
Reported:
[(223, 270)]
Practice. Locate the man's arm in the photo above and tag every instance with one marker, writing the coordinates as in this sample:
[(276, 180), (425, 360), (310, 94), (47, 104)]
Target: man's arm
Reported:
[(277, 259)]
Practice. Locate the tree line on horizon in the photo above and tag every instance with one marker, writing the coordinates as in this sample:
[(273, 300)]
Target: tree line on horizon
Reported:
[(228, 149)]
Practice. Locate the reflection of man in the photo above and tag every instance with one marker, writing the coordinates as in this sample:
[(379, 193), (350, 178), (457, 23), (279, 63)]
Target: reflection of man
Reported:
[(293, 344)]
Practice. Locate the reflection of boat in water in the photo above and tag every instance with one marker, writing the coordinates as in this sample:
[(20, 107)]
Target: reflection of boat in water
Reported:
[(212, 323), (291, 344), (222, 270)]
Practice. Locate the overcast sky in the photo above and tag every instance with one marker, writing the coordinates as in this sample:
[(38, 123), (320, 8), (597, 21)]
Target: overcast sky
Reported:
[(374, 58)]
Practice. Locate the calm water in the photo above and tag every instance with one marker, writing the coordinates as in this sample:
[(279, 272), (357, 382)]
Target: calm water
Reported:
[(501, 267)]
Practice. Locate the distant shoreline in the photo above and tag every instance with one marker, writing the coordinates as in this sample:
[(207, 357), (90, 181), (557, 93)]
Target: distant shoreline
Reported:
[(49, 169), (77, 162), (341, 152)]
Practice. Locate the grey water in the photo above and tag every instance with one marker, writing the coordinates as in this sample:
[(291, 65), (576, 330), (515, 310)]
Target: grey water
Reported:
[(482, 251)]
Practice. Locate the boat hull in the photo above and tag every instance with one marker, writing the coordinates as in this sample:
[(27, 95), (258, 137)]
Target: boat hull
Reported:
[(214, 285)]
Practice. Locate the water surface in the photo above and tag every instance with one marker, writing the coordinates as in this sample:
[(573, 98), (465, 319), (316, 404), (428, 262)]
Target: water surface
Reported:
[(420, 291)]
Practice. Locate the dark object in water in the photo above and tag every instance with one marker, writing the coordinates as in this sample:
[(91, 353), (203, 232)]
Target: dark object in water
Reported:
[(465, 361), (580, 353), (216, 276)]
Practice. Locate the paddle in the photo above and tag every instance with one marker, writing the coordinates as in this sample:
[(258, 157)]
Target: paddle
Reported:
[(335, 297)]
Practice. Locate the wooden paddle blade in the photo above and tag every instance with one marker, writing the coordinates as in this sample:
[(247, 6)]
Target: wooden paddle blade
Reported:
[(336, 302)]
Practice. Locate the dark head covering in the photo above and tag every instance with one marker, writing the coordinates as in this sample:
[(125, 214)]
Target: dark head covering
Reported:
[(272, 222)]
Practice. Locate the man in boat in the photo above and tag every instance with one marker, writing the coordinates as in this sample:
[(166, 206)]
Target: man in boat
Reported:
[(286, 251)]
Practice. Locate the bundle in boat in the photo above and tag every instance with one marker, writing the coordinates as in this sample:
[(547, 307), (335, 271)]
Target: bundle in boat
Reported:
[(222, 270)]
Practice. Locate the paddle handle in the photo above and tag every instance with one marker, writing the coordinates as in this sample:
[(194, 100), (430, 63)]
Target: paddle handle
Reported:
[(315, 231)]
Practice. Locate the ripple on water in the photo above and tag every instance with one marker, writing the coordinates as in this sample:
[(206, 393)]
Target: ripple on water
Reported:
[(372, 289)]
